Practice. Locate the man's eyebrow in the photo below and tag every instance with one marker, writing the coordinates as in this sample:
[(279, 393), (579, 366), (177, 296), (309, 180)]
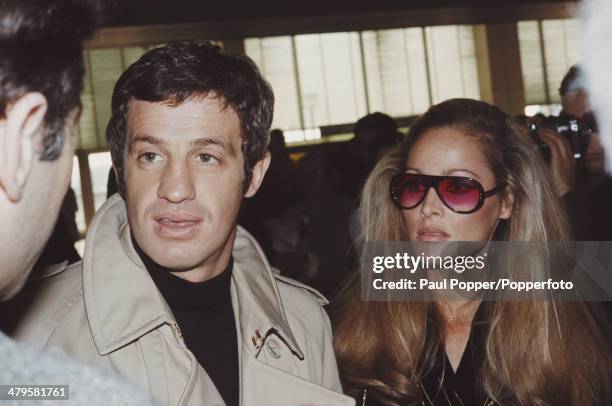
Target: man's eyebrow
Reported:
[(198, 142), (209, 141), (147, 139)]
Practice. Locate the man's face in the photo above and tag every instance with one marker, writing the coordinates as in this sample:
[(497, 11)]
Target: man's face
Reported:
[(576, 103), (28, 223), (184, 172)]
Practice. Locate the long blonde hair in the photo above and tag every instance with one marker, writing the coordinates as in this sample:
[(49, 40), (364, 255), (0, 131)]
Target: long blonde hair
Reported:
[(536, 352)]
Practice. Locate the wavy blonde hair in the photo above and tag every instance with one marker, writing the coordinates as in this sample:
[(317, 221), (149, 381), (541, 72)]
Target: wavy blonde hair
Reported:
[(536, 352)]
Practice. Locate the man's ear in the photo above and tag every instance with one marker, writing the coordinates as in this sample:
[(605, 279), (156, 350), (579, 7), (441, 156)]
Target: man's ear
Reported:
[(259, 171), (507, 203), (24, 119)]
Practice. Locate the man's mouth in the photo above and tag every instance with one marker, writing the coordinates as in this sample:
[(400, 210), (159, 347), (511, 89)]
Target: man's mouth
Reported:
[(174, 225), (177, 224)]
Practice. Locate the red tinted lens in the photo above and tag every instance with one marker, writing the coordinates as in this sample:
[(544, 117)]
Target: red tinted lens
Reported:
[(408, 191), (460, 194)]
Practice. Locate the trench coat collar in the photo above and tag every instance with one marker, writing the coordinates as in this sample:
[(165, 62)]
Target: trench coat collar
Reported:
[(123, 303)]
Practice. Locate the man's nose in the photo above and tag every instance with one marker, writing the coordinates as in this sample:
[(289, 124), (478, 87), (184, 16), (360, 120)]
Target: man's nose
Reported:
[(176, 183)]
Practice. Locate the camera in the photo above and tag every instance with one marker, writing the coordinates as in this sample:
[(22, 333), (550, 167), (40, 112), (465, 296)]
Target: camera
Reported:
[(576, 131)]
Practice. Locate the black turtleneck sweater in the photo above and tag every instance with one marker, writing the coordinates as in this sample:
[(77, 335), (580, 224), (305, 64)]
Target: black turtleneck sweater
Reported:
[(205, 316)]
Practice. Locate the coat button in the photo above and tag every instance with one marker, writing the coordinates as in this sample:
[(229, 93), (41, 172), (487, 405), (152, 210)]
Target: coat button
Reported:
[(274, 348)]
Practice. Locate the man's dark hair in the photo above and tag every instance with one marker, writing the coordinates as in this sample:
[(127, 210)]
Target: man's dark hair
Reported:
[(41, 51), (180, 71), (572, 74)]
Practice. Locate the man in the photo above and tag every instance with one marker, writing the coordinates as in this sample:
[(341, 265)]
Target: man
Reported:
[(171, 294), (574, 97), (574, 105), (41, 77), (587, 194)]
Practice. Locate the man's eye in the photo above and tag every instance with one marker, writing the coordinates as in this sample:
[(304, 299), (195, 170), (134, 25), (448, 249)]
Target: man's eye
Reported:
[(207, 158), (150, 157)]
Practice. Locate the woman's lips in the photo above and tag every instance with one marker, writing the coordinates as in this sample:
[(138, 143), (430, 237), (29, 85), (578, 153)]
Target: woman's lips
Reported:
[(432, 234)]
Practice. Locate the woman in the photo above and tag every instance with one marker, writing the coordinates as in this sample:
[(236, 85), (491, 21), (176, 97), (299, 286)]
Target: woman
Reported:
[(470, 352)]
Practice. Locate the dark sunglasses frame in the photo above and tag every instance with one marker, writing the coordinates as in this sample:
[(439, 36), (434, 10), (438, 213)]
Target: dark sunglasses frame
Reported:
[(430, 181)]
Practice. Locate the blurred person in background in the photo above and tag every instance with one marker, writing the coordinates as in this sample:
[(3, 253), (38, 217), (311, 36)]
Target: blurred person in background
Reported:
[(278, 191), (580, 181), (373, 133), (319, 223)]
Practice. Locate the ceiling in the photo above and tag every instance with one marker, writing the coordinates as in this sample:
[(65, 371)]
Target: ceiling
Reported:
[(154, 12)]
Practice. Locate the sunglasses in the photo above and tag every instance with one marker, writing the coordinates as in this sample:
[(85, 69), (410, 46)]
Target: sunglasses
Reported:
[(460, 194)]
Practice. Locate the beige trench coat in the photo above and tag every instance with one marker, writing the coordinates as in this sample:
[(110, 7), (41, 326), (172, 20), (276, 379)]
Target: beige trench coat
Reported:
[(107, 311)]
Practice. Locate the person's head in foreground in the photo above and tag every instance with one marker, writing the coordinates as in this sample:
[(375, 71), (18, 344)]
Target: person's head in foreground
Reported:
[(187, 150), (41, 78), (466, 172), (597, 58)]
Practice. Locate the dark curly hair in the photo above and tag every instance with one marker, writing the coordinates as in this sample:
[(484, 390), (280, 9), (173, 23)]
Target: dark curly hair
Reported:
[(41, 51), (570, 77), (179, 71)]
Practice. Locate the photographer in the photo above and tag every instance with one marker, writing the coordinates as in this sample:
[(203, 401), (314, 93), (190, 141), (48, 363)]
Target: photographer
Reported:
[(577, 162)]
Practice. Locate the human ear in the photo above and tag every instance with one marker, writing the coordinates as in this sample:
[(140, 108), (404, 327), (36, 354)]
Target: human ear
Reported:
[(507, 202), (23, 120), (259, 171)]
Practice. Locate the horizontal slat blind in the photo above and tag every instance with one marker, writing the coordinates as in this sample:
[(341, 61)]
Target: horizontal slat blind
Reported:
[(559, 40)]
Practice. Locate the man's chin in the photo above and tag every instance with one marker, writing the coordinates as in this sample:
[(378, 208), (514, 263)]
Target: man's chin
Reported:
[(176, 263)]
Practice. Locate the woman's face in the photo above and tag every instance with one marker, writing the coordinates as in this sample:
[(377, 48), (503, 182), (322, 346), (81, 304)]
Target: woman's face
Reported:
[(449, 152)]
